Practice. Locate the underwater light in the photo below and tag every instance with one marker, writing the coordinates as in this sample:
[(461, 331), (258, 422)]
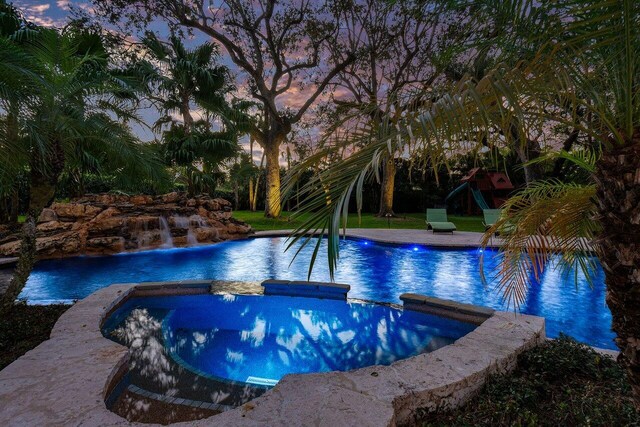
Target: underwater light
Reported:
[(415, 248)]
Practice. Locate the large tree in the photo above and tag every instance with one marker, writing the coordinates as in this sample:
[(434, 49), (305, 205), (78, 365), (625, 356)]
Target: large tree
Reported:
[(281, 46), (403, 48), (585, 75)]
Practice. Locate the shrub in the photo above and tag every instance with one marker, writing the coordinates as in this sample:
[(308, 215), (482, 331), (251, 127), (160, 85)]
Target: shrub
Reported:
[(561, 382)]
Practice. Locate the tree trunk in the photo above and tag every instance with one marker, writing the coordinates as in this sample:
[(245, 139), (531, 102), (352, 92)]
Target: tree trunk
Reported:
[(252, 205), (15, 206), (191, 188), (42, 192), (387, 187), (24, 266), (527, 150), (236, 196), (273, 201), (618, 246)]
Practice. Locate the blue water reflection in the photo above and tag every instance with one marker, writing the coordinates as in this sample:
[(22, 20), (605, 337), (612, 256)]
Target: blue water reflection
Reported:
[(374, 271), (259, 339)]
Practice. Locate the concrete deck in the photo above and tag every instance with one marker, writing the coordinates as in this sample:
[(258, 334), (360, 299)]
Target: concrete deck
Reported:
[(65, 380), (459, 239)]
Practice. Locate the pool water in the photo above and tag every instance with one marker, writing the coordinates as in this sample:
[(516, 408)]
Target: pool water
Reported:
[(258, 339), (375, 272)]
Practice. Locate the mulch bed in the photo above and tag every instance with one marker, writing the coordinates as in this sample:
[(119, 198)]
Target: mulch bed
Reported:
[(24, 327), (560, 383)]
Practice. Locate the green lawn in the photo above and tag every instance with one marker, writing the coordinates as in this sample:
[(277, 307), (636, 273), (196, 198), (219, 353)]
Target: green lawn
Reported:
[(412, 220)]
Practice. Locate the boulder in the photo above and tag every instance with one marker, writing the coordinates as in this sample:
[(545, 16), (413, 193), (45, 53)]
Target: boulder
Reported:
[(105, 227), (170, 198), (11, 248), (107, 213), (59, 244), (75, 211), (206, 234), (102, 245), (142, 223), (50, 226), (141, 200), (48, 215)]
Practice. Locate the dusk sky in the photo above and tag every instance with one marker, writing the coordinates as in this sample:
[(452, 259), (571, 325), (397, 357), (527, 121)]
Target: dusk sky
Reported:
[(56, 13), (49, 13)]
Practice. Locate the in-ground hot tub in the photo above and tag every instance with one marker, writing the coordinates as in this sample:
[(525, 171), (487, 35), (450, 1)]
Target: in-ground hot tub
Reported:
[(228, 349), (96, 367)]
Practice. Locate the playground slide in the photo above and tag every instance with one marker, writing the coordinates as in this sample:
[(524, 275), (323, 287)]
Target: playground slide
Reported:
[(477, 195), (455, 192)]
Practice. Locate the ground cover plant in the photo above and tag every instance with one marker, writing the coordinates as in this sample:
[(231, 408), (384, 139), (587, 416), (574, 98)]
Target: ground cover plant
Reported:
[(24, 327), (561, 382)]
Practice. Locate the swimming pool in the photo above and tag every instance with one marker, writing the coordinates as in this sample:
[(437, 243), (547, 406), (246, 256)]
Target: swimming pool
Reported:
[(256, 339), (376, 272)]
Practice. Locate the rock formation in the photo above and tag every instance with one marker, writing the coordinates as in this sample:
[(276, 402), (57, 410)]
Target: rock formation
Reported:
[(109, 223)]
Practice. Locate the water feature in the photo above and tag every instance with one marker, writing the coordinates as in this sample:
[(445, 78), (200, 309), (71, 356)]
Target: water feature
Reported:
[(375, 272), (165, 233)]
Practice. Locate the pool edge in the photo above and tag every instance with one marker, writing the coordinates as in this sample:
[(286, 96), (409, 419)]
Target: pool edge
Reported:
[(74, 392)]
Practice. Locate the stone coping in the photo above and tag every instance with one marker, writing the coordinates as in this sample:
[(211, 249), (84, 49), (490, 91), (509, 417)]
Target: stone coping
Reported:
[(306, 289), (8, 262), (66, 379), (446, 308)]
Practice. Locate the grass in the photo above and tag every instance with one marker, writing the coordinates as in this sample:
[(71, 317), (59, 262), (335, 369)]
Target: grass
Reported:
[(559, 383), (403, 221), (24, 327)]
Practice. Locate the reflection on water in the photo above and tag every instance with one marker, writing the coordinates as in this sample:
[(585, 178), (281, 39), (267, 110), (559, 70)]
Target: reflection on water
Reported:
[(374, 271), (227, 350), (259, 339)]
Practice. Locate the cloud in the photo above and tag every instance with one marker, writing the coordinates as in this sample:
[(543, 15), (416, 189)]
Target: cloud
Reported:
[(63, 4), (38, 13)]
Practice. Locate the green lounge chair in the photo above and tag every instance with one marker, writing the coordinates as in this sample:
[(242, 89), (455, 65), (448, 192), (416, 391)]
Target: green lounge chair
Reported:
[(438, 222), (491, 216)]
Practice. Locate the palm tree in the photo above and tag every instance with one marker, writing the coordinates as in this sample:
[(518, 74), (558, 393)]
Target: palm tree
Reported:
[(65, 103), (585, 75), (175, 78)]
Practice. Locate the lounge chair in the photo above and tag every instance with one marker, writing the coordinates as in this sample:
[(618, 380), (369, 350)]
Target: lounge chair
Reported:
[(491, 216), (438, 222)]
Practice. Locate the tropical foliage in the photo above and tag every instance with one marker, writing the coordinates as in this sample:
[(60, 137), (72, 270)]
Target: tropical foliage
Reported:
[(174, 79)]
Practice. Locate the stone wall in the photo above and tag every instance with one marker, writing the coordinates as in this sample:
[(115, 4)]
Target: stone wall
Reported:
[(109, 223)]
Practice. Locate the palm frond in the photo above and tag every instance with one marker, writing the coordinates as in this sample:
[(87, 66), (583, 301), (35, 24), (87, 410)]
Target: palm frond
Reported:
[(548, 224)]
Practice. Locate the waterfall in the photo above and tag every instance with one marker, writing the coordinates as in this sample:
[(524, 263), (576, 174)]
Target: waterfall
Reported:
[(165, 233), (191, 238), (181, 222), (142, 235), (195, 221), (198, 221)]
